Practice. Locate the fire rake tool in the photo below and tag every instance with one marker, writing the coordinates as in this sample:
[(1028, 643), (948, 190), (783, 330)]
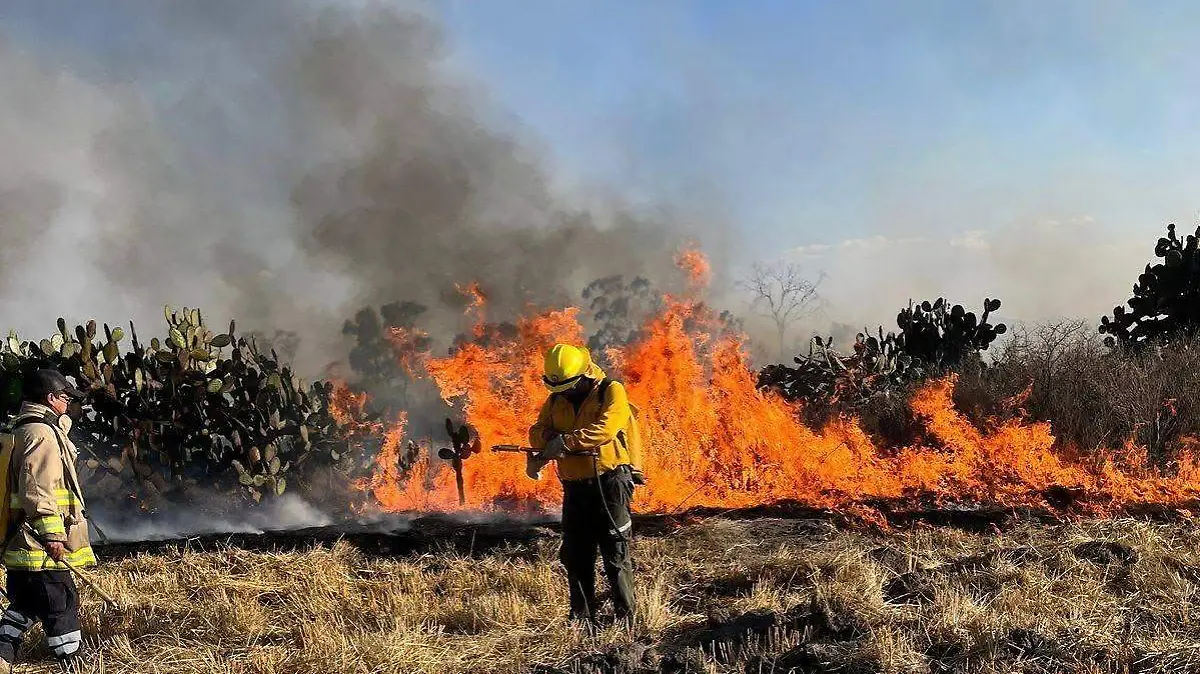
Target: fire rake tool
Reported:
[(518, 449), (463, 446), (87, 580)]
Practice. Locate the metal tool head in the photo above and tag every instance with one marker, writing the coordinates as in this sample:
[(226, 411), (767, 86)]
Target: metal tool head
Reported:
[(513, 448)]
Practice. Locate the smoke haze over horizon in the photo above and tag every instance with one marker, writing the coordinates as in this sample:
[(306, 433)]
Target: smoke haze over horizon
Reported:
[(286, 180), (286, 163)]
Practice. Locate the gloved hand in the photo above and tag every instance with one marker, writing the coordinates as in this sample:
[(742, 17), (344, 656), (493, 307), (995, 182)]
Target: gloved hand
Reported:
[(56, 550), (554, 449), (639, 478), (534, 466)]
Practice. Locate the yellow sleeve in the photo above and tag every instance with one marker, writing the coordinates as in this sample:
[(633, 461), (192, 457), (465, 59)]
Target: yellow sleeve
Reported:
[(538, 432), (635, 449), (614, 414), (41, 472)]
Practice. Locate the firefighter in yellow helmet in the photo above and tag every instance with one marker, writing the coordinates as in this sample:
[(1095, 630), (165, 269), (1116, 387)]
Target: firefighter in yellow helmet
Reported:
[(583, 426)]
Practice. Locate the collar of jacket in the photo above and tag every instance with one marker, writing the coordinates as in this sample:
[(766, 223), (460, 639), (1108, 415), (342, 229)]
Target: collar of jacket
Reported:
[(29, 409), (576, 399)]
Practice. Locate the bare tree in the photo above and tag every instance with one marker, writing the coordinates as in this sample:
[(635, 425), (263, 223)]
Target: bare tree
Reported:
[(782, 293)]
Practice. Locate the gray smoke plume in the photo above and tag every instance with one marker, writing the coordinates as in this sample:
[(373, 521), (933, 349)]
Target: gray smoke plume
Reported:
[(282, 163), (423, 176)]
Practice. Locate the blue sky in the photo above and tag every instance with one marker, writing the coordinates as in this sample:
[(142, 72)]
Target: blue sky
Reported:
[(816, 121)]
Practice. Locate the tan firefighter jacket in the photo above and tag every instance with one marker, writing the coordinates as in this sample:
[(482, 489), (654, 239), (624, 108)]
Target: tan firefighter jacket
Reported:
[(43, 489)]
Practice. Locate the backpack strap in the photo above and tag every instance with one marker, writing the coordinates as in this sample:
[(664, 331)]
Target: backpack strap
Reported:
[(603, 387), (603, 391)]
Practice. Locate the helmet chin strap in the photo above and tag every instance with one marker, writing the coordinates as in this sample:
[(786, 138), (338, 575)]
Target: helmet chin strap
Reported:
[(580, 391)]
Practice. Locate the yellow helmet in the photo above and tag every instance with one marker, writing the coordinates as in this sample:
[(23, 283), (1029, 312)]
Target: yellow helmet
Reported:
[(565, 364)]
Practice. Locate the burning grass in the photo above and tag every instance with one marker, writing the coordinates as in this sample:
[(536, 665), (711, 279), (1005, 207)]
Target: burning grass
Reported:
[(714, 439), (766, 595)]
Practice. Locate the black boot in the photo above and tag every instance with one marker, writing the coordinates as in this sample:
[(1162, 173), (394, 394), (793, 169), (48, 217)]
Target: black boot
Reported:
[(8, 655)]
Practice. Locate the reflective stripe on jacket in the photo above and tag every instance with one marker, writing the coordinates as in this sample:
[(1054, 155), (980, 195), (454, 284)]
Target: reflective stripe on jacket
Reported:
[(593, 428), (40, 492), (38, 560)]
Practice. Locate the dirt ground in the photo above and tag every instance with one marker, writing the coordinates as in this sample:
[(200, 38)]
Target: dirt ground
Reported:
[(714, 595)]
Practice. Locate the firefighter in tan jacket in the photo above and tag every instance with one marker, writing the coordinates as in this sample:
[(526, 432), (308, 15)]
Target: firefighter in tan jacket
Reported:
[(44, 494)]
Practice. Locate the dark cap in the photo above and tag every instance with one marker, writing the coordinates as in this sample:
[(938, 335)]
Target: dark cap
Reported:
[(46, 381)]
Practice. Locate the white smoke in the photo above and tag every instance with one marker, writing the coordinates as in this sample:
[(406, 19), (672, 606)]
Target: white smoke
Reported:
[(1040, 270), (288, 512)]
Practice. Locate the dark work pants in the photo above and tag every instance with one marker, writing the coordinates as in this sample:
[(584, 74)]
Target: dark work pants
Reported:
[(48, 596), (598, 517)]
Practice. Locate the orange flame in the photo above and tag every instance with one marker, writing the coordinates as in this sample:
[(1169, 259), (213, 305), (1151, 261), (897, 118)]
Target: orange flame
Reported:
[(408, 347), (345, 405), (695, 264), (713, 439), (391, 488), (476, 304), (501, 390)]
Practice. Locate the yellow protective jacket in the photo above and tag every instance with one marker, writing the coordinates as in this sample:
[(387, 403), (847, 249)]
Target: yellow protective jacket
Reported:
[(43, 489), (594, 428)]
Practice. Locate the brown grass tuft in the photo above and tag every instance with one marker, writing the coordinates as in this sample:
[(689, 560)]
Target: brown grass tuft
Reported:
[(718, 596)]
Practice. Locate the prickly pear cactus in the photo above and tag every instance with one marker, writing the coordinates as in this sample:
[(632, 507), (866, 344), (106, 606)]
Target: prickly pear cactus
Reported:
[(196, 407), (933, 337), (1166, 297), (941, 335)]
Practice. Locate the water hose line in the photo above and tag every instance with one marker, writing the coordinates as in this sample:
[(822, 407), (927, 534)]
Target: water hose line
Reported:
[(604, 500)]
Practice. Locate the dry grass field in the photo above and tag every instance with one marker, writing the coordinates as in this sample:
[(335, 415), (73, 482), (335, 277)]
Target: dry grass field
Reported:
[(716, 595)]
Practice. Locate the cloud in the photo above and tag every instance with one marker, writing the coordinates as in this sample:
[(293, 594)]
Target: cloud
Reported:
[(1042, 269)]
